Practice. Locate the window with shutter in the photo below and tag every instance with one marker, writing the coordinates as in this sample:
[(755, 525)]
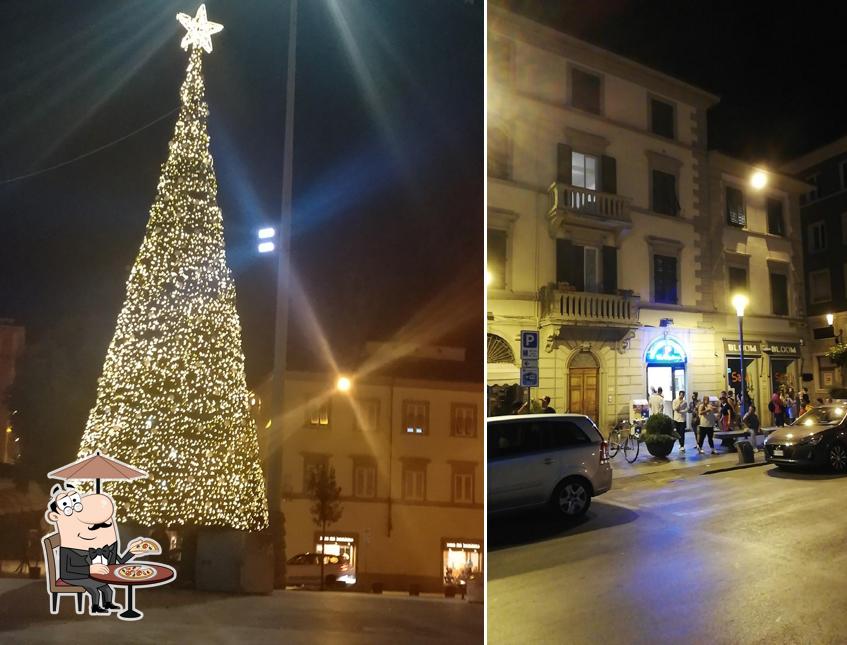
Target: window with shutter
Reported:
[(737, 279), (776, 223), (664, 279), (496, 260), (664, 193), (499, 152), (817, 236), (820, 289), (586, 91), (735, 213), (779, 294), (662, 118)]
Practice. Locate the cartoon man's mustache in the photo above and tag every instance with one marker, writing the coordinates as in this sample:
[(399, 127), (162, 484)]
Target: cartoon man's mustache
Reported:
[(101, 525)]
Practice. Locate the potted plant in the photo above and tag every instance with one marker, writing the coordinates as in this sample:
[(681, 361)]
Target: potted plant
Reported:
[(659, 435)]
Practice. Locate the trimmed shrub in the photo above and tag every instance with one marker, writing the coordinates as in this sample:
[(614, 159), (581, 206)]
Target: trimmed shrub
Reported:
[(659, 424), (659, 435)]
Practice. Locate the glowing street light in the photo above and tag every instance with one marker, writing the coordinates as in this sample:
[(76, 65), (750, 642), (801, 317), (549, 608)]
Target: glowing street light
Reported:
[(266, 233), (759, 179), (343, 384), (740, 302), (830, 319)]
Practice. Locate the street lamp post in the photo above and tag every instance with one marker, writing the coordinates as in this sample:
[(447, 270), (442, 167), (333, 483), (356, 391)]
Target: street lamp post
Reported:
[(277, 520), (740, 301)]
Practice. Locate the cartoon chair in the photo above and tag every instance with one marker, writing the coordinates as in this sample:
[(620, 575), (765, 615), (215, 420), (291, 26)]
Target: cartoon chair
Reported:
[(56, 586)]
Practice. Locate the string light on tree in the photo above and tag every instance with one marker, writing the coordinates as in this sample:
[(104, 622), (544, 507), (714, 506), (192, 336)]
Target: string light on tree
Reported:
[(173, 399)]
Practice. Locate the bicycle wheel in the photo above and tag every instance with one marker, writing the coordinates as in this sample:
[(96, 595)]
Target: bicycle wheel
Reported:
[(614, 443), (630, 448)]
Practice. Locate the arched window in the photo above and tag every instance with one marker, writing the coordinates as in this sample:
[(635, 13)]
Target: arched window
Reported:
[(499, 350)]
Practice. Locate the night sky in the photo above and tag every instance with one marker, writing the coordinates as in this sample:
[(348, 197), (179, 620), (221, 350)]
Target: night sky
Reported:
[(778, 67), (388, 169)]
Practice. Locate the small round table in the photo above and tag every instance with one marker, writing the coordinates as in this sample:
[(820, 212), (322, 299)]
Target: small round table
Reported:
[(163, 574)]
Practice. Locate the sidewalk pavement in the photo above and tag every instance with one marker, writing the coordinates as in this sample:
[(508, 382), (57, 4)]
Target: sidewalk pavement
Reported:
[(687, 463)]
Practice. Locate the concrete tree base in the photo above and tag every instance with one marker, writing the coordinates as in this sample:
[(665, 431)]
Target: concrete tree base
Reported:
[(234, 561)]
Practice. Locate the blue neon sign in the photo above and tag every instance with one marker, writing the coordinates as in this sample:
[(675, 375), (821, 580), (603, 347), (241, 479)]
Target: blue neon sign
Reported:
[(666, 351)]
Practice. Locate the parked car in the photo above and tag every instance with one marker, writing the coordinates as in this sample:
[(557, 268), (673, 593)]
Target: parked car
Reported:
[(305, 569), (817, 438), (559, 460)]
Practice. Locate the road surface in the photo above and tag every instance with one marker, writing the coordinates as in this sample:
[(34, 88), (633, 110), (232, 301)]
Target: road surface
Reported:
[(747, 556)]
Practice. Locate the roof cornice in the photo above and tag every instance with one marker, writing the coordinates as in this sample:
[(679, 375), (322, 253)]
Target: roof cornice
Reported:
[(534, 33)]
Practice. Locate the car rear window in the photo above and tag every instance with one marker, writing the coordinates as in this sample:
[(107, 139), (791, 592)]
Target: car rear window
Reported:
[(513, 438)]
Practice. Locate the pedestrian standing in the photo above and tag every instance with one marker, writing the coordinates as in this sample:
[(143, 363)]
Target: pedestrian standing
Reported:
[(545, 406), (680, 408), (693, 406), (751, 420), (725, 414), (788, 406), (776, 409), (656, 402), (707, 425)]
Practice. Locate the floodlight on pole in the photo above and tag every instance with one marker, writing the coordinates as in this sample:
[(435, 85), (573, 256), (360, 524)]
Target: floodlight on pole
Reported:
[(266, 233)]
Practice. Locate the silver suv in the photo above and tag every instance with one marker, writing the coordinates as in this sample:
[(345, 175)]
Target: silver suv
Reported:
[(555, 459)]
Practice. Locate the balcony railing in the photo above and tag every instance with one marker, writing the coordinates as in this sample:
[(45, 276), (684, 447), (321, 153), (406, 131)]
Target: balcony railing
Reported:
[(571, 203), (582, 307)]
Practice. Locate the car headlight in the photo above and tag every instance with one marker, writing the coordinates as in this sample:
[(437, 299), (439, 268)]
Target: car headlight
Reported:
[(811, 440)]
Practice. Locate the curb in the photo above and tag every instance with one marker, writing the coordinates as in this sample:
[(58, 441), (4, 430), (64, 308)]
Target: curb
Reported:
[(737, 467)]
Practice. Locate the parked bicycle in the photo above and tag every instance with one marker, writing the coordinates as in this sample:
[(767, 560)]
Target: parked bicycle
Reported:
[(625, 435)]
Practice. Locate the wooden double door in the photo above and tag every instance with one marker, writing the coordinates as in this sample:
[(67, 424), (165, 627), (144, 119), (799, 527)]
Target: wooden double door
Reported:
[(583, 391)]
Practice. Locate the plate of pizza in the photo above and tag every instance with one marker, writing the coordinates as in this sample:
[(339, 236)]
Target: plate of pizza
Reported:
[(145, 546), (135, 572)]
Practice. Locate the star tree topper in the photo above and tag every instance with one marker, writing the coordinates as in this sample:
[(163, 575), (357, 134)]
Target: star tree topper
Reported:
[(199, 29)]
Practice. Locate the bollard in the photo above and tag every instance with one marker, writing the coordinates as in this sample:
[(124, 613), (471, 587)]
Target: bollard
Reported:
[(745, 451)]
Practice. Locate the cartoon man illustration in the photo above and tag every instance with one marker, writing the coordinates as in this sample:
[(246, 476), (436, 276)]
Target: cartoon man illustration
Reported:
[(89, 541)]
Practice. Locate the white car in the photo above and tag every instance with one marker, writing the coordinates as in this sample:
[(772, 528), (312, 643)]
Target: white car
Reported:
[(305, 569), (559, 460)]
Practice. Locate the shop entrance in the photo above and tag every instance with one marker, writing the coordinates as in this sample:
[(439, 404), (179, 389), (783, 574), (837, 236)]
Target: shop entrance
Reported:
[(460, 559), (342, 554), (584, 385), (666, 361)]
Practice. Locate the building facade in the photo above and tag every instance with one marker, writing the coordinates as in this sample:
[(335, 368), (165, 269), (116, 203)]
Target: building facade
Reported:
[(408, 456), (824, 224), (612, 230)]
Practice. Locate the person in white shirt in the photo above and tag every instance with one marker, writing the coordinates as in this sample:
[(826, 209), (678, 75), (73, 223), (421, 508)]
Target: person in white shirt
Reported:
[(680, 408), (656, 402)]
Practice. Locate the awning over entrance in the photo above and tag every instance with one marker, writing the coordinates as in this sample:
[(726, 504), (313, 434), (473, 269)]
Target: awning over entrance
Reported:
[(503, 374), (782, 349)]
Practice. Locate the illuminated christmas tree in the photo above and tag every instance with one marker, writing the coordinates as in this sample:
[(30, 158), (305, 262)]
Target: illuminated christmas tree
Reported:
[(173, 398)]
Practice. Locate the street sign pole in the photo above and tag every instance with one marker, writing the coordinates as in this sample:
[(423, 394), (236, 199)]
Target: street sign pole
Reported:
[(529, 363)]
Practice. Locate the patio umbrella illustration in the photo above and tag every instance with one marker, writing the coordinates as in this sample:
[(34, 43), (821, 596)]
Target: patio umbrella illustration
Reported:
[(97, 467)]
